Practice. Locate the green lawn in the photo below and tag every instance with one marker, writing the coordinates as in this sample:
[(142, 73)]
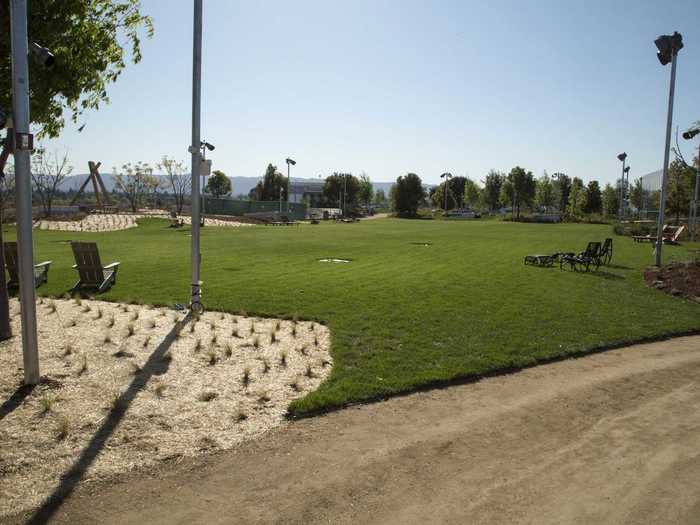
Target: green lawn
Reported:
[(402, 315)]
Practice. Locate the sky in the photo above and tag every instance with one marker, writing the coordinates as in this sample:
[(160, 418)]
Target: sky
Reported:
[(395, 86)]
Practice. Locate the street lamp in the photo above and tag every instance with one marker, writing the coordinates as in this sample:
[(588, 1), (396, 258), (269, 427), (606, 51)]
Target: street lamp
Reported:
[(447, 177), (668, 47), (693, 215), (621, 157), (290, 162), (195, 255), (627, 187)]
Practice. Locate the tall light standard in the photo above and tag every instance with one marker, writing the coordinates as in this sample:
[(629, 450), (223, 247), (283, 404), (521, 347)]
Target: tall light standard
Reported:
[(447, 177), (627, 189), (668, 47), (621, 157), (693, 215), (22, 143), (290, 162), (196, 294), (205, 171)]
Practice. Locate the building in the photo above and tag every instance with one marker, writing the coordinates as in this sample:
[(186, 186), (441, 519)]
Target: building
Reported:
[(305, 191)]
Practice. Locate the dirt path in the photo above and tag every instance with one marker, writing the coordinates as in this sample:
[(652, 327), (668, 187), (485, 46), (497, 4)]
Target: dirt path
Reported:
[(610, 438)]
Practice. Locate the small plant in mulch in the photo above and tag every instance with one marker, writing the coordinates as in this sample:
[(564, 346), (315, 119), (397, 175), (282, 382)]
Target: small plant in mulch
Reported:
[(212, 357), (273, 337), (264, 397), (207, 395), (98, 314), (83, 365), (86, 308), (46, 404), (110, 321), (67, 349), (309, 372), (71, 323), (167, 357), (294, 331), (146, 341), (151, 324), (135, 316), (246, 378), (266, 365), (159, 390), (315, 341), (78, 301), (325, 362), (303, 351), (197, 344), (130, 329), (52, 308), (296, 385), (214, 339), (256, 342), (240, 415), (311, 327), (62, 429), (278, 325), (107, 339), (228, 349), (234, 333), (283, 358), (121, 353), (252, 328), (135, 368)]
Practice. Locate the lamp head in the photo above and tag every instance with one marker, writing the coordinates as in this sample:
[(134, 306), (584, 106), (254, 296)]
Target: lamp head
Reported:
[(689, 134), (290, 161), (42, 54), (668, 46), (622, 156)]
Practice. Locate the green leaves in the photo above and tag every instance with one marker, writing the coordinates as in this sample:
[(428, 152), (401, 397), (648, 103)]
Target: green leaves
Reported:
[(88, 40)]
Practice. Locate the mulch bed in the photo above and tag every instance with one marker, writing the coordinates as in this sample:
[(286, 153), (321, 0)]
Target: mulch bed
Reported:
[(681, 279)]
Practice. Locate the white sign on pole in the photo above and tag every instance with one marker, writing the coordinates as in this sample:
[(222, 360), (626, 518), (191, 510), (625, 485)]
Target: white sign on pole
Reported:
[(205, 168)]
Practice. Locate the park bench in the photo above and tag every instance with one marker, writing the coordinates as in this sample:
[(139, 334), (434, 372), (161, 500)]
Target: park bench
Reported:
[(41, 270), (587, 258), (90, 270)]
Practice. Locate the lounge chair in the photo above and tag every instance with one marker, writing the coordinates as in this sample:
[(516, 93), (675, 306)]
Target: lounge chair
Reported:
[(92, 273), (650, 237), (41, 270), (673, 239), (606, 251), (587, 258)]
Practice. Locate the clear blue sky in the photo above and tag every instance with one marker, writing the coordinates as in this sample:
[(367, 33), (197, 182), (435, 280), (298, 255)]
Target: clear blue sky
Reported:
[(395, 86)]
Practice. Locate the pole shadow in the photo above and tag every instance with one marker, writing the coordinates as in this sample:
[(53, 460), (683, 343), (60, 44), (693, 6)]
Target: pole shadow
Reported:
[(15, 400), (156, 365)]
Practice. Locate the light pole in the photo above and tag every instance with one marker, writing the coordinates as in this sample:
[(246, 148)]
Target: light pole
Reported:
[(668, 47), (289, 162), (693, 215), (621, 157), (627, 190), (203, 166), (22, 146), (196, 294), (447, 176), (345, 193)]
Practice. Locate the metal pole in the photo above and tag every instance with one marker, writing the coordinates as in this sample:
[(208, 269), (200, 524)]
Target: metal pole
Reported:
[(345, 193), (694, 204), (444, 189), (288, 180), (195, 301), (622, 189), (23, 188), (669, 122)]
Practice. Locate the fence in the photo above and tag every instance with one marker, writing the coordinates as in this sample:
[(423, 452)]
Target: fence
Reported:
[(232, 207)]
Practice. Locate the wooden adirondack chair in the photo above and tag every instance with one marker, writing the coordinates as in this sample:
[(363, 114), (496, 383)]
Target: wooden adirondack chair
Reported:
[(41, 270), (92, 273)]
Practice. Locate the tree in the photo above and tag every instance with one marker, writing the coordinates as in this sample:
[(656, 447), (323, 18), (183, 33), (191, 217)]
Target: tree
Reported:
[(455, 193), (577, 198), (594, 199), (134, 182), (492, 190), (48, 173), (366, 189), (342, 190), (562, 186), (680, 188), (520, 190), (88, 40), (407, 194), (218, 184), (7, 190), (639, 196), (272, 184), (544, 192), (379, 197), (611, 203), (472, 193), (179, 178)]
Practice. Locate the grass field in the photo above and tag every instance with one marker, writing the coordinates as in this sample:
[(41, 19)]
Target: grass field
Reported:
[(401, 314)]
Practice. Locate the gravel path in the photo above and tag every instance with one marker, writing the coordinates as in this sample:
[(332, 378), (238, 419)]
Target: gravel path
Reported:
[(609, 438)]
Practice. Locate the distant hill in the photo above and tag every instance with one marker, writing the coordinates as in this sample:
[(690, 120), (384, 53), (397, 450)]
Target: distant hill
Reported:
[(241, 185)]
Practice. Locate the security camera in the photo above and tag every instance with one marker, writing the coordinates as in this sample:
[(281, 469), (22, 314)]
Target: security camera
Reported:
[(292, 162), (688, 135), (43, 55), (210, 147)]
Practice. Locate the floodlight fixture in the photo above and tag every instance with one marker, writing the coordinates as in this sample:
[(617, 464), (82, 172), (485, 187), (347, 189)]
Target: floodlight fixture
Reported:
[(622, 156), (627, 169), (205, 144), (668, 46), (290, 161), (690, 134), (42, 54)]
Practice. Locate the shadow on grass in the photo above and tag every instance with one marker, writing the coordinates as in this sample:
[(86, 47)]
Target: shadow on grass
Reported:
[(156, 365), (607, 275), (618, 267), (15, 400)]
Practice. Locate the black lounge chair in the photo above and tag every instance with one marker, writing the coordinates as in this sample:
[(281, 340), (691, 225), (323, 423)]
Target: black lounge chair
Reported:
[(588, 258), (606, 251)]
